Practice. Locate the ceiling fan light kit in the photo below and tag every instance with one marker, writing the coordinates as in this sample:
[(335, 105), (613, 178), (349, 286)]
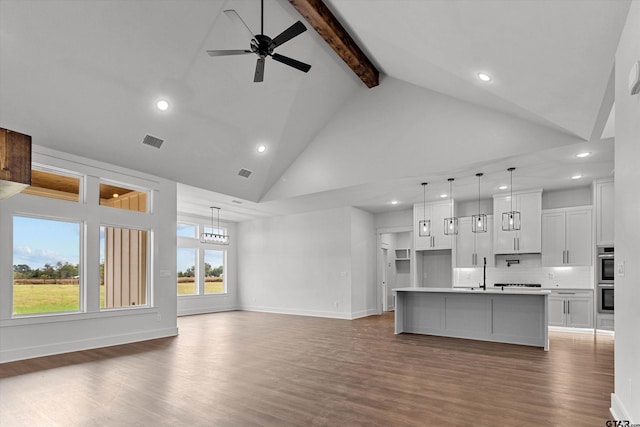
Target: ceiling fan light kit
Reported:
[(263, 45)]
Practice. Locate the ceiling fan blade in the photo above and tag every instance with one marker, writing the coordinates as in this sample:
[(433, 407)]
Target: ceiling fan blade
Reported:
[(227, 52), (259, 75), (235, 18), (294, 30), (291, 62)]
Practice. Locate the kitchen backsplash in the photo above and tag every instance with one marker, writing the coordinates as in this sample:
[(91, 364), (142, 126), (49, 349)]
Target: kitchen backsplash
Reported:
[(548, 277)]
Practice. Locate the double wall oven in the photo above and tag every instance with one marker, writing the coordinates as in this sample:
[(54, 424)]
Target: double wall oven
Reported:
[(605, 275)]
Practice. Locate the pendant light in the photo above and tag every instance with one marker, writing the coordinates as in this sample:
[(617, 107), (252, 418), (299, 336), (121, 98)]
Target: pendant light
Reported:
[(218, 237), (479, 221), (424, 226), (451, 223), (511, 219)]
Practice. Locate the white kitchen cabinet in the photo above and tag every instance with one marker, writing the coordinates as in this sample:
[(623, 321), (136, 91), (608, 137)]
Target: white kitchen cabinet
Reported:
[(605, 202), (572, 309), (472, 247), (566, 237), (436, 212), (526, 240)]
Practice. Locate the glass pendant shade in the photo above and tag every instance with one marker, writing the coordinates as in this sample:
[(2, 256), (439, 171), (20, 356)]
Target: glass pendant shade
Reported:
[(451, 226), (425, 228), (217, 235), (511, 219), (451, 223), (479, 223)]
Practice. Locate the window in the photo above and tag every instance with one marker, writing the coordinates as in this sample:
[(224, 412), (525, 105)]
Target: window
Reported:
[(123, 267), (214, 272), (46, 264), (54, 185), (187, 230), (201, 266), (116, 196), (187, 273)]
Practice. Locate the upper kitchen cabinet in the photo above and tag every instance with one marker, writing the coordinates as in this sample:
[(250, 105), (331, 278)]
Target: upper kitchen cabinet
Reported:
[(472, 247), (15, 162), (566, 237), (528, 238), (436, 212), (605, 199)]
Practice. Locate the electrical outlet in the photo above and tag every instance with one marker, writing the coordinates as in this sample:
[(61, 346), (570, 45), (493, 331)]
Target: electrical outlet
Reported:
[(551, 276), (621, 269)]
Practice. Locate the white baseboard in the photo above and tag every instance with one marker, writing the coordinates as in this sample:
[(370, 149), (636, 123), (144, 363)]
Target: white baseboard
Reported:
[(618, 410), (205, 310), (312, 313), (364, 313), (571, 330), (605, 332), (79, 345)]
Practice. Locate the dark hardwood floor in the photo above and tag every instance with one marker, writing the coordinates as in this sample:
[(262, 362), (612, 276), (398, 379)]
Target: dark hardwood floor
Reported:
[(244, 369)]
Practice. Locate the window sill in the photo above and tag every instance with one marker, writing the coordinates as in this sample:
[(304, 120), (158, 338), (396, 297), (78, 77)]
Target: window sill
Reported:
[(71, 317)]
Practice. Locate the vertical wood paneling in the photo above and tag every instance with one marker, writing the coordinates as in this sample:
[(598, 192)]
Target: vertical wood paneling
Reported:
[(117, 267), (134, 201), (125, 267), (125, 262)]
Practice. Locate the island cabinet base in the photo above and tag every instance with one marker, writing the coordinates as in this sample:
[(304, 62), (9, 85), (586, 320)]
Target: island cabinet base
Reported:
[(516, 318)]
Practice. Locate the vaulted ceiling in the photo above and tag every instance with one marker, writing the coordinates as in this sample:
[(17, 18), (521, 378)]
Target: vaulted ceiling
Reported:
[(83, 78)]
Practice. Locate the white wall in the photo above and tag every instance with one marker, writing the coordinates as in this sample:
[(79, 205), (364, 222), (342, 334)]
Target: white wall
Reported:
[(26, 337), (198, 304), (298, 264), (393, 219), (363, 264), (408, 124), (625, 403), (581, 196)]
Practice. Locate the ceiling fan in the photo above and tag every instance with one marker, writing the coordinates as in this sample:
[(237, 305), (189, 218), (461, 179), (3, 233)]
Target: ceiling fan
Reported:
[(263, 45)]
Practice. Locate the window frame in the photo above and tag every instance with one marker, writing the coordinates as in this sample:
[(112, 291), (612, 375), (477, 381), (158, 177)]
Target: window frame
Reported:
[(90, 214), (81, 256), (194, 242)]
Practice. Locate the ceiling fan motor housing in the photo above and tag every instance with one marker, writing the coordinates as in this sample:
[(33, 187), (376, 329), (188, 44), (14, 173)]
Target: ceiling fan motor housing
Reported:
[(262, 45)]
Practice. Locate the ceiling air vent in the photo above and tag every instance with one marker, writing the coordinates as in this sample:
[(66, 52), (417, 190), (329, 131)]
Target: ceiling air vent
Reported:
[(245, 173), (152, 141)]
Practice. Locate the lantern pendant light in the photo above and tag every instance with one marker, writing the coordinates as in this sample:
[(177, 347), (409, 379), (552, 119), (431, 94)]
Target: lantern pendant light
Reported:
[(451, 223), (424, 226), (511, 219), (479, 221)]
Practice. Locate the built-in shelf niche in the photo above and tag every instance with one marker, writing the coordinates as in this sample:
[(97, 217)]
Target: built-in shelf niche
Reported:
[(403, 254)]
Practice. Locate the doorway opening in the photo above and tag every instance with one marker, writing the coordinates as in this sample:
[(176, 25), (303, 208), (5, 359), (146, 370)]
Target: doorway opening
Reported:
[(395, 265)]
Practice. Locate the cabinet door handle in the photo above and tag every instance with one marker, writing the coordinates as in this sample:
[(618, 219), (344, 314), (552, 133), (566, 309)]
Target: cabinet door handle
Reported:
[(563, 257), (518, 242), (567, 256), (568, 307)]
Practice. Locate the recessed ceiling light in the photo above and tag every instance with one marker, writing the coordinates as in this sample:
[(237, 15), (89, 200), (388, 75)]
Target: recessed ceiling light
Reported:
[(162, 105), (262, 148), (484, 77), (442, 196), (394, 202), (503, 187), (585, 154), (576, 177), (115, 195)]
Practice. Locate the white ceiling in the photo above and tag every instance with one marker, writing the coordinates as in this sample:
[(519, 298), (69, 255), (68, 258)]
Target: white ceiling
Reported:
[(82, 77)]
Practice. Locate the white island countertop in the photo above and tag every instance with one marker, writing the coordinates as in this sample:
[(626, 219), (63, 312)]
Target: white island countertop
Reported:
[(512, 315), (492, 291)]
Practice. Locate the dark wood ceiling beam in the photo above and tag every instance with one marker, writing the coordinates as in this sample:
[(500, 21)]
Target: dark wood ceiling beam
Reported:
[(326, 24)]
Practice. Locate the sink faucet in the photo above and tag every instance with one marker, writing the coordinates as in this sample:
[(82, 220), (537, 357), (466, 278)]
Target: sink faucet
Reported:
[(484, 275)]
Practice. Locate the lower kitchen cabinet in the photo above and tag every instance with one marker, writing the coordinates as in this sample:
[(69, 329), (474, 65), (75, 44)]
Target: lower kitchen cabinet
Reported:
[(572, 309)]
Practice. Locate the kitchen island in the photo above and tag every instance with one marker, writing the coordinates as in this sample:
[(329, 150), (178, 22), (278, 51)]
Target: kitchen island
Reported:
[(508, 316)]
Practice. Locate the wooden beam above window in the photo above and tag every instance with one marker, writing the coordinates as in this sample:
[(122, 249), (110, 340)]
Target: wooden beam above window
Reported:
[(326, 24)]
